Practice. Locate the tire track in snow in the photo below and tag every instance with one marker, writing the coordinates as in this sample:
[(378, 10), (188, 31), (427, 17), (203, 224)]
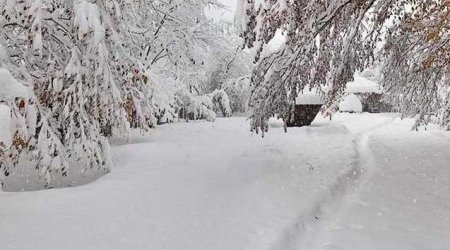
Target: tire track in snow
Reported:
[(308, 230)]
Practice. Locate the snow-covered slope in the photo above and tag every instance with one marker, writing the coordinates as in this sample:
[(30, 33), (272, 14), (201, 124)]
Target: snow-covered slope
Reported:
[(335, 185)]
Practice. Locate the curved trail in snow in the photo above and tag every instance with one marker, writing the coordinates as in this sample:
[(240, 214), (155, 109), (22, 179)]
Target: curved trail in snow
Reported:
[(358, 182), (308, 231)]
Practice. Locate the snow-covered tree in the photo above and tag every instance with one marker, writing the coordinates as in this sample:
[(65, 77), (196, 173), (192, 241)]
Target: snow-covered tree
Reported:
[(231, 69), (323, 44), (416, 55), (238, 91), (326, 41), (66, 51), (189, 52), (95, 69), (30, 147)]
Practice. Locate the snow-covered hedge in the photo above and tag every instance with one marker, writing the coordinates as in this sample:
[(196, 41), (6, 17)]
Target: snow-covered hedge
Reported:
[(351, 103), (32, 154), (238, 91), (94, 70), (221, 102), (206, 107)]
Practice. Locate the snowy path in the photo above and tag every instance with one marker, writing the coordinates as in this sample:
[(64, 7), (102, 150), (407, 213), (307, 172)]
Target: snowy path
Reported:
[(383, 211), (215, 186), (308, 234), (405, 202)]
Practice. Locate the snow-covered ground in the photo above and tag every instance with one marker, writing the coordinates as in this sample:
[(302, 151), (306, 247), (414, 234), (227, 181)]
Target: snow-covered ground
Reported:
[(359, 182)]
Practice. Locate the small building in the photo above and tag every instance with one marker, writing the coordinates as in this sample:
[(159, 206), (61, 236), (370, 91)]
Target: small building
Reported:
[(307, 106)]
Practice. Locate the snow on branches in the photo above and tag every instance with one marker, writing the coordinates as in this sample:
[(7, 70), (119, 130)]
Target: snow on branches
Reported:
[(97, 69), (323, 43), (29, 143), (416, 55), (327, 41)]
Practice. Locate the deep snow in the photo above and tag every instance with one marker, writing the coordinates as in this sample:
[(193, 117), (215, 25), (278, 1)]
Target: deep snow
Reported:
[(358, 182)]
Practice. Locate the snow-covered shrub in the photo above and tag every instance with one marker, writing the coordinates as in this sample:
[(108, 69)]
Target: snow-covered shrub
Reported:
[(322, 47), (63, 52), (31, 155), (164, 97), (202, 107), (207, 107), (351, 104), (238, 91), (193, 107), (5, 138), (327, 42), (97, 69), (221, 102), (5, 126), (35, 158)]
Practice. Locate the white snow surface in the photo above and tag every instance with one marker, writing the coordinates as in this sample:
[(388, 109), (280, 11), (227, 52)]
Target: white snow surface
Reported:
[(361, 181), (363, 85), (350, 103), (10, 87)]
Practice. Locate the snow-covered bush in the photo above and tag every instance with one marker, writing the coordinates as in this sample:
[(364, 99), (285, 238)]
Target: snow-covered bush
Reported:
[(63, 50), (95, 69), (201, 107), (208, 107), (326, 42), (221, 102), (238, 91), (31, 155), (322, 41), (5, 126), (351, 104), (164, 99)]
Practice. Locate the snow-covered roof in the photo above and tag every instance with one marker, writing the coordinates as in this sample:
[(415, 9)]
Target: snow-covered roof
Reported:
[(10, 88), (363, 85), (309, 98)]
